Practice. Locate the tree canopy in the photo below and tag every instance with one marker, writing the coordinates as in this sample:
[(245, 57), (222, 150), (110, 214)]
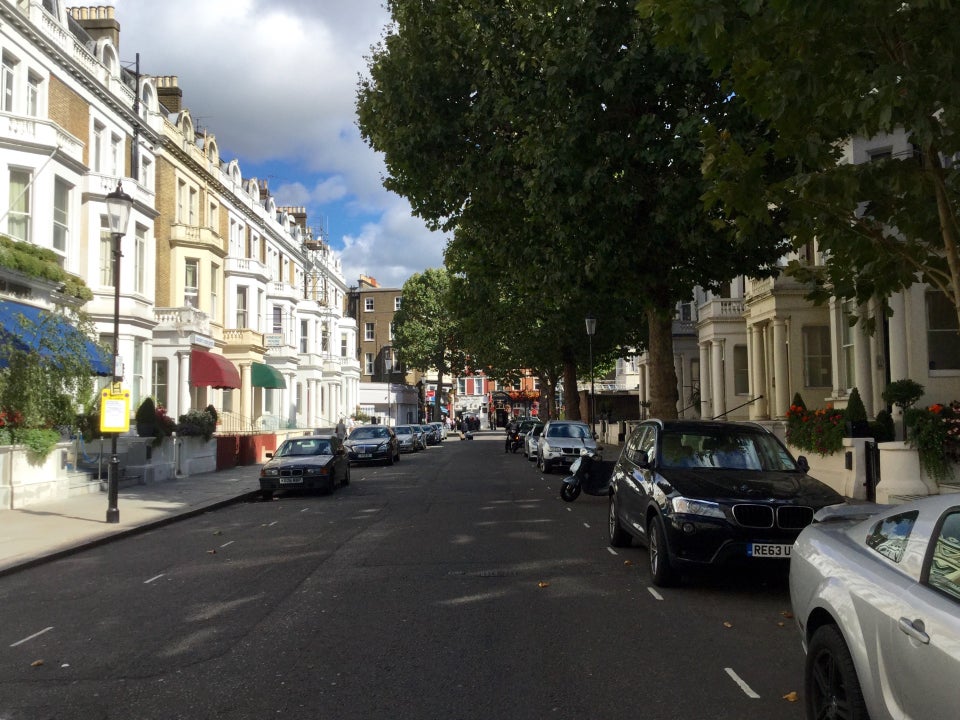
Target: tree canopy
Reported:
[(425, 334), (819, 73), (563, 148)]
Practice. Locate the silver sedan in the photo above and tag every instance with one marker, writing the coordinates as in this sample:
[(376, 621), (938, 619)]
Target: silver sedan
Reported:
[(876, 595)]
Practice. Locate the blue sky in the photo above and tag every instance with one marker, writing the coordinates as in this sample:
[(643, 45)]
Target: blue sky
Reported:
[(275, 82)]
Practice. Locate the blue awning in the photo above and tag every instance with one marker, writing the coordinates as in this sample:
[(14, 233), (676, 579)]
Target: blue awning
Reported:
[(32, 329)]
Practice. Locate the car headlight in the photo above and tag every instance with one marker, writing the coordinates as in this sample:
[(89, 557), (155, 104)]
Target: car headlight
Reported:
[(270, 472), (315, 471), (686, 506)]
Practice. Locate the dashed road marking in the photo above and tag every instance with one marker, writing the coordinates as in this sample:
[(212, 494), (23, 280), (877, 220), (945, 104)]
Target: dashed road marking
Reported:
[(612, 551), (586, 525), (653, 592), (748, 691), (231, 542), (31, 637), (155, 577)]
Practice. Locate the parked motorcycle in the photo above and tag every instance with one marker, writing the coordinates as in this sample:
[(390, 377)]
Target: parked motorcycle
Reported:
[(586, 475)]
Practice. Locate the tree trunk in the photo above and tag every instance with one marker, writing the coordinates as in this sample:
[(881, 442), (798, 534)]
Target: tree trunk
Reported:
[(663, 378), (571, 396)]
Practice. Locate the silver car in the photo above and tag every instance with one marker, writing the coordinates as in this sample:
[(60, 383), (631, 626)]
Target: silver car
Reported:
[(407, 439), (531, 441), (876, 595), (561, 442)]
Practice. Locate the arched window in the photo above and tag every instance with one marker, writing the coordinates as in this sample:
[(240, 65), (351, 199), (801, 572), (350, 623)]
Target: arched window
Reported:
[(186, 126), (108, 56), (148, 99), (213, 152)]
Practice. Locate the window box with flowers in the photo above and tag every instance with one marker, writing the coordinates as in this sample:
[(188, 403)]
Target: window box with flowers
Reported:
[(820, 431), (935, 433)]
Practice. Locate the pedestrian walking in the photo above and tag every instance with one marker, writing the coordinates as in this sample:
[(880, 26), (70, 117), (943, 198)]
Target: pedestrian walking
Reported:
[(341, 429)]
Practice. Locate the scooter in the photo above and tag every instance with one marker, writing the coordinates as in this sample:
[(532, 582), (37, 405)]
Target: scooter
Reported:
[(585, 477), (516, 441)]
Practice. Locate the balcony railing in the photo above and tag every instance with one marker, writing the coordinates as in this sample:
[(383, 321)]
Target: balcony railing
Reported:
[(182, 319), (721, 309), (193, 235), (282, 290), (242, 336), (37, 131), (247, 266)]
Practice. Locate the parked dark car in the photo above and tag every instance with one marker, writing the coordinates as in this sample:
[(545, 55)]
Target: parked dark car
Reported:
[(373, 443), (312, 462), (702, 493)]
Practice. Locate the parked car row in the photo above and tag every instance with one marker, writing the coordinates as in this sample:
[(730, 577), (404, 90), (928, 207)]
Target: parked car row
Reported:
[(414, 438), (875, 589), (321, 460)]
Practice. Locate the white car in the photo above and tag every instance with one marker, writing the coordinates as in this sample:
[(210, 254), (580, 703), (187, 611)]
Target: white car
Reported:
[(561, 442), (531, 441), (876, 595)]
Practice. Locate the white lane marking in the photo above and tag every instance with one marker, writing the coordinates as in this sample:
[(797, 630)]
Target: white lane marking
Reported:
[(155, 577), (586, 525), (273, 523), (743, 686), (569, 509), (612, 551), (305, 510), (231, 542), (35, 635), (653, 592)]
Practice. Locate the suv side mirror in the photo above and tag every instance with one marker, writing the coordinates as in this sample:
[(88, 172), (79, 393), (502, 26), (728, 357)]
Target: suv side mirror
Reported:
[(643, 460), (803, 464)]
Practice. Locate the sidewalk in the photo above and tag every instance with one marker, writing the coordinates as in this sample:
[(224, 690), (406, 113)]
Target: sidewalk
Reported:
[(44, 531)]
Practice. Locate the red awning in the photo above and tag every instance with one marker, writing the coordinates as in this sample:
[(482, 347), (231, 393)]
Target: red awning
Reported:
[(207, 368)]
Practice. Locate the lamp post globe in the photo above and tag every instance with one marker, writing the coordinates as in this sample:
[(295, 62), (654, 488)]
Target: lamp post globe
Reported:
[(119, 205)]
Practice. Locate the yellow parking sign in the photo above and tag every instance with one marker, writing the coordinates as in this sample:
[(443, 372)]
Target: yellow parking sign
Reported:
[(114, 410)]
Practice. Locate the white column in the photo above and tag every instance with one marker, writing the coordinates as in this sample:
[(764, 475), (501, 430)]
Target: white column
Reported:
[(864, 350), (706, 408), (716, 373), (758, 410), (781, 369), (183, 385), (897, 326), (245, 371)]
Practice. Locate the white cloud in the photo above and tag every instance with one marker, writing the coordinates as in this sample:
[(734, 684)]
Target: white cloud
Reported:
[(275, 81), (397, 247)]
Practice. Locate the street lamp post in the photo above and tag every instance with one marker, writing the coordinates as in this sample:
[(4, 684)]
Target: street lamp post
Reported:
[(591, 329), (119, 205)]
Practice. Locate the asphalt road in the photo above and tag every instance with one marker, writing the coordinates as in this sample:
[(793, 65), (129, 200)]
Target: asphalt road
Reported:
[(455, 584)]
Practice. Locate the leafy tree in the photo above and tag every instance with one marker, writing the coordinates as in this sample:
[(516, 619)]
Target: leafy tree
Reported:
[(563, 148), (44, 374), (425, 336), (819, 73)]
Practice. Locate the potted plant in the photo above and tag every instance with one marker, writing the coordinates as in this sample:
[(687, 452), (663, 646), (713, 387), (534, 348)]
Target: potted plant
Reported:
[(856, 416), (146, 418)]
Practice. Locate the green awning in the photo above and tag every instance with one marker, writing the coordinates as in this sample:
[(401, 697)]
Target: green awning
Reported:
[(264, 376)]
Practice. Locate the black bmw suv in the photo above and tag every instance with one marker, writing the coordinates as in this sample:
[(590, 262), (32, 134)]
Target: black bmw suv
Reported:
[(700, 493)]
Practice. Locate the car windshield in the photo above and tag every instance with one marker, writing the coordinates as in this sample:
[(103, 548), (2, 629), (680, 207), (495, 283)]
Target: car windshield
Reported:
[(403, 430), (307, 446), (568, 431), (368, 433), (728, 449)]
